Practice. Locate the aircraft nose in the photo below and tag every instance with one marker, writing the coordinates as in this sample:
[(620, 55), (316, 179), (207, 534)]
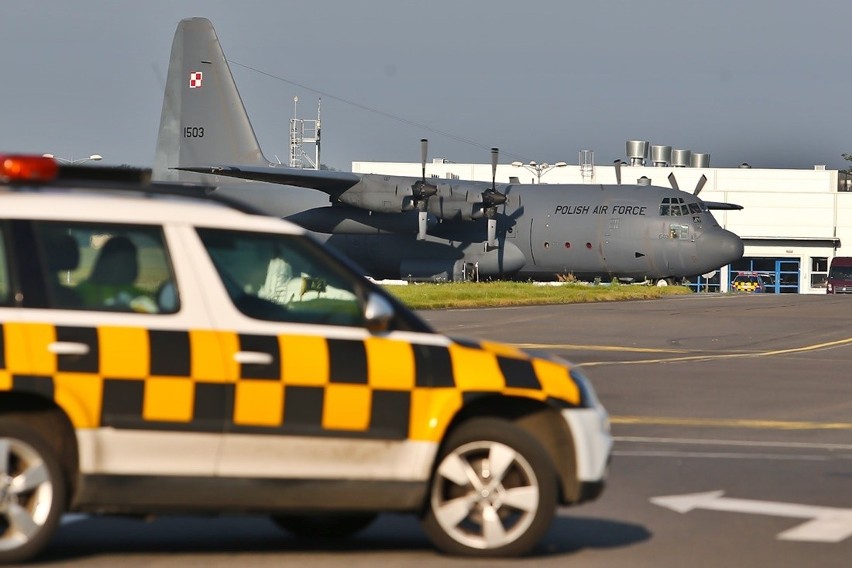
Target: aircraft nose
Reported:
[(718, 248)]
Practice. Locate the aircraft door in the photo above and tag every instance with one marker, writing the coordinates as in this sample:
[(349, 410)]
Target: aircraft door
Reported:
[(676, 251), (540, 236)]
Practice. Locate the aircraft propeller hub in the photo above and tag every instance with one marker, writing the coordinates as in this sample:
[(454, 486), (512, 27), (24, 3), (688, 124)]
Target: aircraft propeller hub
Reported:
[(421, 189), (492, 198)]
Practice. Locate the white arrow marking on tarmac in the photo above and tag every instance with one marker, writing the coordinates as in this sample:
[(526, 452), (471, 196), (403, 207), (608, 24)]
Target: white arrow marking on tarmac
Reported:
[(825, 524)]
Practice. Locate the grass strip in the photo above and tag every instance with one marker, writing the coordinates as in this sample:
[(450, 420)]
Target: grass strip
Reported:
[(429, 296)]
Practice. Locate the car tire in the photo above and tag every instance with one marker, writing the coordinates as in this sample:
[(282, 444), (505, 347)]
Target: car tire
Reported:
[(32, 491), (325, 527), (475, 510)]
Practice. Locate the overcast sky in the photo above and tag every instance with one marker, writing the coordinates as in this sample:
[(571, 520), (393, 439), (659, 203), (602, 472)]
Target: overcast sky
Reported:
[(757, 81)]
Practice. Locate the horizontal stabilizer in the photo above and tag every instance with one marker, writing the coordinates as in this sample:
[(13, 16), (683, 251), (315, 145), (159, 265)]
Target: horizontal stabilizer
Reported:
[(331, 182)]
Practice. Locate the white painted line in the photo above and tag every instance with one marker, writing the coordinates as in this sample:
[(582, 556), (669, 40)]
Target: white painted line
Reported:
[(719, 455), (825, 524), (718, 442)]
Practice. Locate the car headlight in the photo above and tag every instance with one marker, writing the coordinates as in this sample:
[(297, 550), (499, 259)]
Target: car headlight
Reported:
[(588, 396)]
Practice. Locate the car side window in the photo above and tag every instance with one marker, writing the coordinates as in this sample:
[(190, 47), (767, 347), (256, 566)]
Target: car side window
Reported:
[(283, 278), (101, 267)]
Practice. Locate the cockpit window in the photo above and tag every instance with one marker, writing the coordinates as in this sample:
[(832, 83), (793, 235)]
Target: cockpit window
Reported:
[(675, 207)]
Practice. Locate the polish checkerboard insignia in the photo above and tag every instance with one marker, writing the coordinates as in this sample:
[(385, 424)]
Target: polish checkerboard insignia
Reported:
[(195, 80)]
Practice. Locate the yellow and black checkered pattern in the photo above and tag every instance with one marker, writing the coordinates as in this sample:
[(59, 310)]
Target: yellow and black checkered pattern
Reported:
[(745, 286), (189, 380)]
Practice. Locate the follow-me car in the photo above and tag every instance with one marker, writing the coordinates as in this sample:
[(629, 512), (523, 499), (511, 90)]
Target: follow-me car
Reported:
[(164, 354)]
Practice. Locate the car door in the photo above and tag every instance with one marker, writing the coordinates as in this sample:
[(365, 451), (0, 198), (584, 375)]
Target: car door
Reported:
[(118, 334), (317, 396)]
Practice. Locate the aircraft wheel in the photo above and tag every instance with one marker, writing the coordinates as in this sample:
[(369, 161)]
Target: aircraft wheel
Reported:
[(32, 491), (662, 282), (493, 492)]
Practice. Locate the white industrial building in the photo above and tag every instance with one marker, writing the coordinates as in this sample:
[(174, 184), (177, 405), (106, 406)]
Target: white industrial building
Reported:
[(792, 222)]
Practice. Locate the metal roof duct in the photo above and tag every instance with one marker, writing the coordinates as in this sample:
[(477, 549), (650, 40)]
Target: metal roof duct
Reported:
[(661, 156), (681, 158), (700, 160), (637, 151)]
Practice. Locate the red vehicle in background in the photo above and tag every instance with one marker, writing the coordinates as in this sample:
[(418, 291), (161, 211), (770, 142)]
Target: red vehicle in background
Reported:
[(840, 276)]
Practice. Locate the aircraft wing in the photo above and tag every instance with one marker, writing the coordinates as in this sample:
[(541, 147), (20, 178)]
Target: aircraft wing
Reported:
[(720, 206), (331, 182)]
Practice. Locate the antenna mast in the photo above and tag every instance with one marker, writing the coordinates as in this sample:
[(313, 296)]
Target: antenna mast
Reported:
[(303, 132)]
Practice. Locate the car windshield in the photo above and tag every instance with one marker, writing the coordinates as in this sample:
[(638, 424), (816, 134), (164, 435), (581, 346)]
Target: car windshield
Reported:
[(840, 273)]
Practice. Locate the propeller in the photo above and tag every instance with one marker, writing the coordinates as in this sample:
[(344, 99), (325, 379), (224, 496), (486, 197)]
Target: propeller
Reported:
[(698, 186), (673, 182), (422, 191), (491, 198), (617, 165)]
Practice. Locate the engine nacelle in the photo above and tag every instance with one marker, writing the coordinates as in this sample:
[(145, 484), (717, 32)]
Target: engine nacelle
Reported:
[(458, 201), (394, 194), (383, 194)]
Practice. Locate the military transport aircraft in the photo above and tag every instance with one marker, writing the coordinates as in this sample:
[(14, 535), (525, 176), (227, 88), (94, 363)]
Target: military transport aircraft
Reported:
[(426, 228)]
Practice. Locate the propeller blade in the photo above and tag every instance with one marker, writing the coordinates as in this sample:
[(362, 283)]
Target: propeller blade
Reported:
[(494, 155), (617, 165), (424, 150), (673, 181), (421, 225), (700, 185), (492, 233)]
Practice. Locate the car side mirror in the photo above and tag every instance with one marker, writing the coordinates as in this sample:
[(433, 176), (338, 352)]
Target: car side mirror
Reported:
[(378, 313)]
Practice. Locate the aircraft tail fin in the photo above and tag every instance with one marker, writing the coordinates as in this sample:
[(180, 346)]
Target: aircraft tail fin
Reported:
[(203, 121)]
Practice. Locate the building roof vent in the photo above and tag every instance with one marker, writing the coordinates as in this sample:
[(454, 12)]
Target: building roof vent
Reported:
[(700, 160), (681, 158), (661, 156), (637, 151)]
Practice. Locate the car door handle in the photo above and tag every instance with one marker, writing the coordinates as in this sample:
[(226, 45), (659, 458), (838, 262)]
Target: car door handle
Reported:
[(68, 348), (253, 358)]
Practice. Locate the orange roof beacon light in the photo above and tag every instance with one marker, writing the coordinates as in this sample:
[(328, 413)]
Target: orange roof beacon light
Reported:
[(27, 168)]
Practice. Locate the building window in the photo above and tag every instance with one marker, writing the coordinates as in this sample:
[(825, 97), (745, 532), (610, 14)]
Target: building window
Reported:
[(844, 181), (819, 271)]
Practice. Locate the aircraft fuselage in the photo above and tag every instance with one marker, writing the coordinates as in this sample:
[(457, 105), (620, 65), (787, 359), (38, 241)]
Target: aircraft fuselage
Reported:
[(630, 232)]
